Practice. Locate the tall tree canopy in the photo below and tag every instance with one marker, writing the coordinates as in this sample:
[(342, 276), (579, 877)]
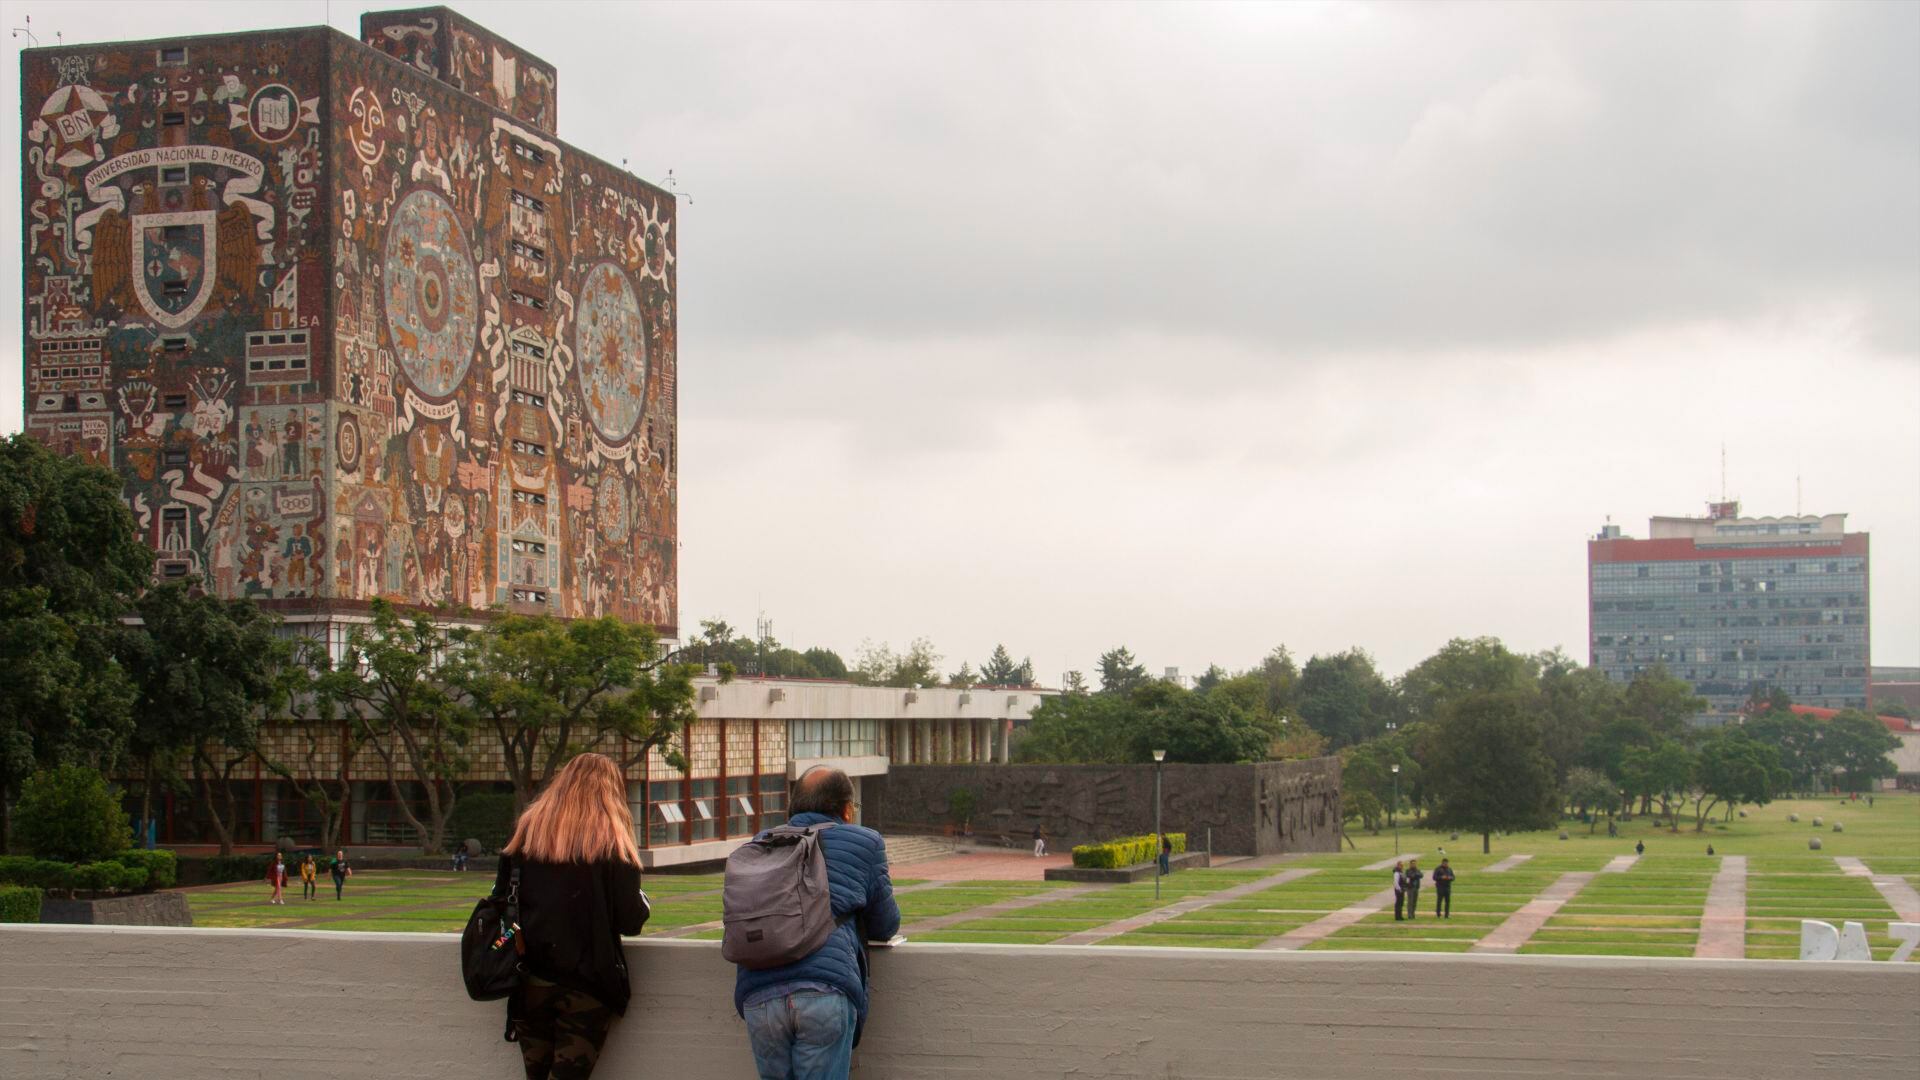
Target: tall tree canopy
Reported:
[(1488, 771), (1343, 697), (1119, 672), (1000, 670)]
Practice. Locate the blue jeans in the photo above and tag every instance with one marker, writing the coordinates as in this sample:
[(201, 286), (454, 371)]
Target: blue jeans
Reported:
[(803, 1036)]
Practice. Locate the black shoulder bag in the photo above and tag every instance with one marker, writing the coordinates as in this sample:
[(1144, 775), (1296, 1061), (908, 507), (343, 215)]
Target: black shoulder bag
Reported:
[(491, 948)]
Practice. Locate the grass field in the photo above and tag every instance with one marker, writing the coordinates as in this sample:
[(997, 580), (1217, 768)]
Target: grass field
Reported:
[(1652, 908)]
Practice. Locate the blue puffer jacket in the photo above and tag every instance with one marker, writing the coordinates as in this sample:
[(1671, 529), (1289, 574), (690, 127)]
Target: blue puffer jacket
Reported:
[(857, 874)]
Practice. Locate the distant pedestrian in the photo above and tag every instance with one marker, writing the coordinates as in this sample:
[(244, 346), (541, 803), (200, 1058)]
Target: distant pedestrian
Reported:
[(1039, 841), (1443, 891), (1399, 892), (1166, 855), (341, 872), (1412, 884), (1639, 847), (309, 878), (277, 877), (1869, 802)]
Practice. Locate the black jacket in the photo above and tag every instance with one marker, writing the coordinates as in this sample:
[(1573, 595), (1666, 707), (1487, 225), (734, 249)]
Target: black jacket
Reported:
[(1443, 878), (1413, 880), (571, 917)]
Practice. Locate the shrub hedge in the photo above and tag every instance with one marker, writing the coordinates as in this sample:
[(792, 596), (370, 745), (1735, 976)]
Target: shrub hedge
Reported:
[(224, 868), (485, 816), (1125, 851), (71, 815), (162, 867), (20, 903), (105, 876)]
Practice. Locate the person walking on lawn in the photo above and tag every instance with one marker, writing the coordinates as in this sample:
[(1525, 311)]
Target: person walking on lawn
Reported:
[(1039, 841), (341, 872), (1443, 891), (1399, 891), (277, 877), (309, 878), (1412, 880)]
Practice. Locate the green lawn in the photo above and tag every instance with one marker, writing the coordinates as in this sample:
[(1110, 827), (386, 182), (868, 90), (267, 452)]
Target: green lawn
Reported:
[(1654, 908)]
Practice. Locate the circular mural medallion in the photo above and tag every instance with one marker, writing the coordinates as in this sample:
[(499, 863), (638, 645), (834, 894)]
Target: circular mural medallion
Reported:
[(347, 444), (610, 344), (610, 509), (432, 298)]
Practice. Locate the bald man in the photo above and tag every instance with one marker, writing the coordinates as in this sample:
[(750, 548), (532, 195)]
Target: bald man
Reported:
[(804, 1019)]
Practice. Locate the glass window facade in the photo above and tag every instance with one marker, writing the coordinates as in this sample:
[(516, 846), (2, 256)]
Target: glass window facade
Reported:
[(1730, 625), (834, 738)]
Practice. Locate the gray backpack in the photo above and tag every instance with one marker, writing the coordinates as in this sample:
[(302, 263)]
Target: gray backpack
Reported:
[(775, 905)]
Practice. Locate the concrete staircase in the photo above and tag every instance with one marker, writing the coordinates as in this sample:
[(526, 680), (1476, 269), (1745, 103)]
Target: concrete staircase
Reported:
[(902, 850)]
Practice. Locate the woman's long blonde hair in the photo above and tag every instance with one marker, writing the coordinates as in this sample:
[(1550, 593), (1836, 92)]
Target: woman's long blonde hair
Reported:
[(581, 817)]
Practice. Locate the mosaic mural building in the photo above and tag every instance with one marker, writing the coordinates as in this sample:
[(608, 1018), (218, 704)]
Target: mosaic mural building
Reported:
[(353, 322)]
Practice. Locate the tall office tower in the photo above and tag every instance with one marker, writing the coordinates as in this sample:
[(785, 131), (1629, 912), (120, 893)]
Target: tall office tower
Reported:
[(1735, 605), (353, 322)]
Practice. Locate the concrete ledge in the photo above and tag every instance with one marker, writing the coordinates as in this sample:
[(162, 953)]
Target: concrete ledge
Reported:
[(142, 909), (294, 1005), (1121, 875)]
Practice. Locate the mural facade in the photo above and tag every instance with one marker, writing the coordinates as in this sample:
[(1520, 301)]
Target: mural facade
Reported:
[(352, 329)]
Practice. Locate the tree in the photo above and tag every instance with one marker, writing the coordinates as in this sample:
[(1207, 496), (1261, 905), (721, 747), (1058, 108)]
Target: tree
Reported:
[(394, 682), (67, 814), (1000, 670), (1210, 678), (207, 672), (70, 563), (1463, 666), (1590, 789), (1369, 766), (964, 679), (879, 665), (1119, 674), (1489, 771), (1344, 698), (549, 690), (1363, 806), (826, 663), (1577, 703), (1660, 771), (1796, 739), (1731, 768), (1110, 729), (1857, 746), (1282, 678), (1661, 702), (1076, 683), (1887, 706)]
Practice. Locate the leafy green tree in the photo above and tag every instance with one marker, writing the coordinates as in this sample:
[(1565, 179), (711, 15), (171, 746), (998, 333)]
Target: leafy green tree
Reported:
[(396, 683), (1731, 768), (1111, 729), (1577, 704), (1282, 678), (1887, 706), (1210, 678), (1119, 672), (1463, 666), (1362, 806), (879, 665), (1000, 670), (1797, 740), (826, 663), (1661, 702), (964, 679), (1078, 728), (1076, 683), (1857, 746), (1590, 790), (1343, 697), (207, 671), (70, 564), (1489, 771), (549, 691), (67, 814), (1369, 766), (1661, 771)]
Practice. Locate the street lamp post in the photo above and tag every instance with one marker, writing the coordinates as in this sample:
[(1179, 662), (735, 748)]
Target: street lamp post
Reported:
[(1159, 759), (1394, 809)]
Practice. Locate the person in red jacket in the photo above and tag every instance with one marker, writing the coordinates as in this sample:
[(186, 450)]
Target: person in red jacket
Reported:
[(277, 877)]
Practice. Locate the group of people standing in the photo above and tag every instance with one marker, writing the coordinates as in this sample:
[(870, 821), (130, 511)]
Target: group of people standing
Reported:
[(1406, 890)]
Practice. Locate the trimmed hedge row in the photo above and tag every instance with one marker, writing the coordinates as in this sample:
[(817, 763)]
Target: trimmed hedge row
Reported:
[(220, 869), (1125, 851), (162, 867), (66, 877), (20, 903)]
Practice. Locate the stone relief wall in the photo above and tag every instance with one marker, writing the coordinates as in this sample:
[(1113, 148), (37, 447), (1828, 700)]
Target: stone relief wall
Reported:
[(1255, 809)]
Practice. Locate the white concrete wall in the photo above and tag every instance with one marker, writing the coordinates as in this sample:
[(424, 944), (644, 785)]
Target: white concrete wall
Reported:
[(802, 699), (293, 1005)]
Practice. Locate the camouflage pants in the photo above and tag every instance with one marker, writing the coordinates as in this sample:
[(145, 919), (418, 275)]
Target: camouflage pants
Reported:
[(560, 1032)]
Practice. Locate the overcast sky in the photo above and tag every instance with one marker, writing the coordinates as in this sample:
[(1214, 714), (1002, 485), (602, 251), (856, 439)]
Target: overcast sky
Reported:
[(1203, 329)]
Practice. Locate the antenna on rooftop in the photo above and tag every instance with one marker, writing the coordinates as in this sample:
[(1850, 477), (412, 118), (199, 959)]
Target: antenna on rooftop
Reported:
[(27, 30), (673, 185)]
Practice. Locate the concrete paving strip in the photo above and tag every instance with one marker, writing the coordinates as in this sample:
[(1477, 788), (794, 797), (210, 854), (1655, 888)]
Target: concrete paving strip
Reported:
[(1620, 864), (1723, 925), (1385, 864), (1524, 923), (1181, 907), (1851, 866), (1900, 896), (715, 924), (1507, 864), (1302, 936), (988, 911)]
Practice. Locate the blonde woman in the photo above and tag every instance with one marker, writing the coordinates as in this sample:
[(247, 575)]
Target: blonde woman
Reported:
[(579, 891)]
